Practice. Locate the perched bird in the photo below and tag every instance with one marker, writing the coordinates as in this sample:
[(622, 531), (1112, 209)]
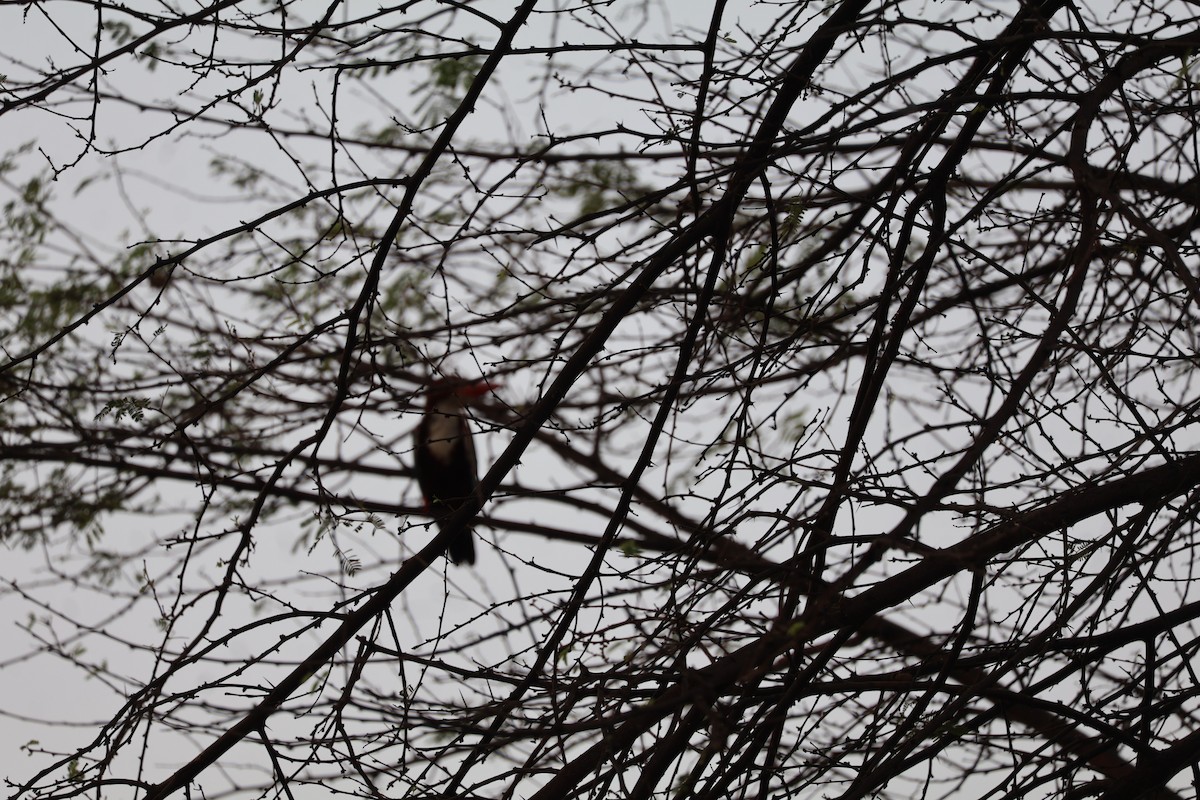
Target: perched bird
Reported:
[(445, 456)]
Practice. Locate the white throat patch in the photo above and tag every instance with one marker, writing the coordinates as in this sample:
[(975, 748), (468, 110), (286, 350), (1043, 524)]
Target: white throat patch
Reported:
[(444, 430)]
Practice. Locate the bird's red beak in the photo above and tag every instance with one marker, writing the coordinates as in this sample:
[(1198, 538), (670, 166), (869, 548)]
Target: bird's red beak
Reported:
[(476, 389)]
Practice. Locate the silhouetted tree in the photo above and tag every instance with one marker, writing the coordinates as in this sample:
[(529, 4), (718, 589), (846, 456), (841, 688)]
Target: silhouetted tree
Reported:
[(846, 437)]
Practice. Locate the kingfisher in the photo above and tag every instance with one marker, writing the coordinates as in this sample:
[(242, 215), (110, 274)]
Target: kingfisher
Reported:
[(445, 456)]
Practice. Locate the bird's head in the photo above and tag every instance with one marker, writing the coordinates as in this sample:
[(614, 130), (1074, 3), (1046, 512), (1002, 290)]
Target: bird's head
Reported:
[(453, 387)]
